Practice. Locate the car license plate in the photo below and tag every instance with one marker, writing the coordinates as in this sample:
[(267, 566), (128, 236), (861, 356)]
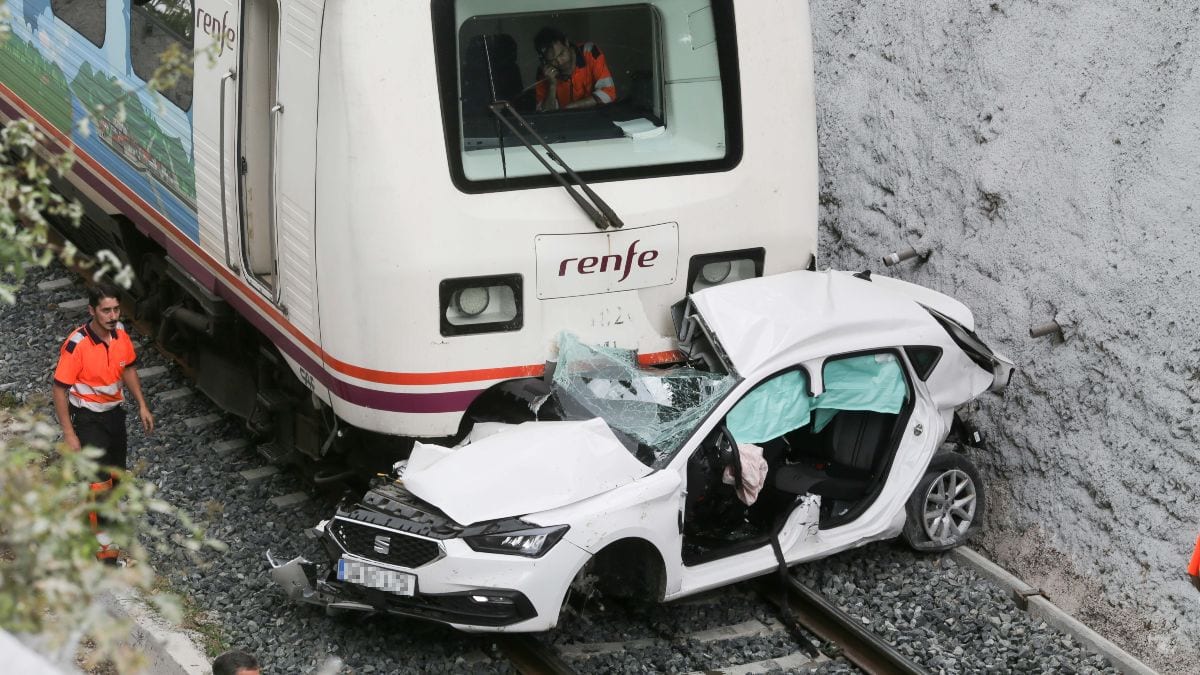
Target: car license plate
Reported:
[(374, 576)]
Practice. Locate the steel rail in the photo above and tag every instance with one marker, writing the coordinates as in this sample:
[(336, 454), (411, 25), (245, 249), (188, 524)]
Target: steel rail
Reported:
[(864, 649), (530, 656)]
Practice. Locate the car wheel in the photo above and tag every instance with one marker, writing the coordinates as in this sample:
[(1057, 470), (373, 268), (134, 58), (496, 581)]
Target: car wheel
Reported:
[(581, 594), (947, 506)]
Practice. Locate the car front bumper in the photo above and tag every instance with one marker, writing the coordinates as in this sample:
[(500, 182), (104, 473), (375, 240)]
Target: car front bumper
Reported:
[(469, 590)]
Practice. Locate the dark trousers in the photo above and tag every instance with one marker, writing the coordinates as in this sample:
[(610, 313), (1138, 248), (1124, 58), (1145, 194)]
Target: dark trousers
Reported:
[(104, 430)]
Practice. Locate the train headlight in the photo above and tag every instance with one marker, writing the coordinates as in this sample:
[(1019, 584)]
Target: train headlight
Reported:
[(716, 272), (713, 269), (472, 305), (472, 301)]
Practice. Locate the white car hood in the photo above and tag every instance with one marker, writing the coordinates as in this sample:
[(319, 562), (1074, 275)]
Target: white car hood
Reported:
[(526, 468)]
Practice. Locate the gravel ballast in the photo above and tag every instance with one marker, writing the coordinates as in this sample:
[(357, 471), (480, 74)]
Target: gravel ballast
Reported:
[(943, 615)]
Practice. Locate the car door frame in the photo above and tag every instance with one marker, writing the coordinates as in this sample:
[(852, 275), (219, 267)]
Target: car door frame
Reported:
[(747, 564), (799, 536)]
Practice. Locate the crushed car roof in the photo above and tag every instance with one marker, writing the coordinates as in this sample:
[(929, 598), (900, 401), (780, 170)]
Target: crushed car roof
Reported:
[(798, 315)]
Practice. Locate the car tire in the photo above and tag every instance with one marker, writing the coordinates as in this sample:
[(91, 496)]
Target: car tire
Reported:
[(948, 505), (581, 594)]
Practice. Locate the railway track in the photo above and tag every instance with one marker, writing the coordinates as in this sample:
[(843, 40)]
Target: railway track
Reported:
[(866, 650), (817, 632), (531, 656)]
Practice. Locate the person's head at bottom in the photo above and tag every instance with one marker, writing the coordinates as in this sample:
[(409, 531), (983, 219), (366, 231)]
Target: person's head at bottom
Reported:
[(235, 662)]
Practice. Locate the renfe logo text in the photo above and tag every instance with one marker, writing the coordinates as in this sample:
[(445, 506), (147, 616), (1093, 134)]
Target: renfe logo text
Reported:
[(615, 262), (218, 29)]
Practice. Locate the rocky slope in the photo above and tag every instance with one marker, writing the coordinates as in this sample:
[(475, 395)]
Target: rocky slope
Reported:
[(1045, 154)]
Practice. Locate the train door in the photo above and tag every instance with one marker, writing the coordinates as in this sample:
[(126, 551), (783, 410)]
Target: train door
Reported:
[(258, 113), (246, 52), (268, 60)]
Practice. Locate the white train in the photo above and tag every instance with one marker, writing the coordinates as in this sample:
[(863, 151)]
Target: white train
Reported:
[(336, 192)]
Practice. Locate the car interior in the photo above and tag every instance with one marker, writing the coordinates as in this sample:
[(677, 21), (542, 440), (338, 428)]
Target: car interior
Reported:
[(840, 455)]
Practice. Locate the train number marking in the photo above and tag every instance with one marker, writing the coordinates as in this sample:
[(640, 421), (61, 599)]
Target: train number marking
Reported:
[(611, 316)]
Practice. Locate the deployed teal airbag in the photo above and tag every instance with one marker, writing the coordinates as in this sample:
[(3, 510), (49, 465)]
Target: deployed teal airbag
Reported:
[(771, 409), (874, 382)]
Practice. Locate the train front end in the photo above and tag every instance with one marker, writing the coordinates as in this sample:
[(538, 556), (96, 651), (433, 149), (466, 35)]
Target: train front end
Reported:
[(450, 249)]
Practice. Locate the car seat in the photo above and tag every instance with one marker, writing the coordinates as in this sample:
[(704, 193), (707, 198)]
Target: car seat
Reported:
[(853, 446)]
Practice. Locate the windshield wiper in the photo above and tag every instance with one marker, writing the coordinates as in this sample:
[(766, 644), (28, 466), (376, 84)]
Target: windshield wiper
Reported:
[(599, 211)]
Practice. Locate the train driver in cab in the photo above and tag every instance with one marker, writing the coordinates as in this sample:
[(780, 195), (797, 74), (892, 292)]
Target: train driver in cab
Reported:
[(578, 72)]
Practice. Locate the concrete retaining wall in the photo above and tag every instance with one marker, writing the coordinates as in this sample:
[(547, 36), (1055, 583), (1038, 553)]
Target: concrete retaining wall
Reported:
[(1046, 153)]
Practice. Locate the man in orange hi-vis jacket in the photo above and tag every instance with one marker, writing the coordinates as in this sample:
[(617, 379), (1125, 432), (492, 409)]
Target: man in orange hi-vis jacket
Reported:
[(578, 72), (93, 363)]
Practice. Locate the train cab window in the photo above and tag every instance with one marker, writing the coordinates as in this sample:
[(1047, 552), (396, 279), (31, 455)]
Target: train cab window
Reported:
[(156, 26), (87, 17), (619, 90)]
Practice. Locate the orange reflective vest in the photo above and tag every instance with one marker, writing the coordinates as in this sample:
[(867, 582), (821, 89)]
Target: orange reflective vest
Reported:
[(590, 78), (90, 368)]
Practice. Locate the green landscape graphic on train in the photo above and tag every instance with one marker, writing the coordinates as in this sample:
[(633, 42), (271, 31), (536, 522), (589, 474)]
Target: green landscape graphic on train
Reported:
[(74, 59)]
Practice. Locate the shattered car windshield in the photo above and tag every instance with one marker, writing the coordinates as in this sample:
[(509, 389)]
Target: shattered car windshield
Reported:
[(659, 408)]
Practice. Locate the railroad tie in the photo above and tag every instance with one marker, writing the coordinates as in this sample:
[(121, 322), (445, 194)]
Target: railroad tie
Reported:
[(260, 473), (151, 372), (194, 423), (289, 500), (230, 447), (55, 284)]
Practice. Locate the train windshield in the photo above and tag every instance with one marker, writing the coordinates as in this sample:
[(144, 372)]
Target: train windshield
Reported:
[(619, 90)]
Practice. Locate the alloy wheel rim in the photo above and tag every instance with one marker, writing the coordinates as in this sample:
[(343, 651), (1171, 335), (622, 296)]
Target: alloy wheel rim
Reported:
[(949, 507)]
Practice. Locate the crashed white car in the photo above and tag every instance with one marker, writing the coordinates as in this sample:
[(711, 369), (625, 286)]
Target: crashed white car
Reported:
[(811, 418)]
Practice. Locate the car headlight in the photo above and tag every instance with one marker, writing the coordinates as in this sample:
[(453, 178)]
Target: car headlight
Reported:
[(531, 541)]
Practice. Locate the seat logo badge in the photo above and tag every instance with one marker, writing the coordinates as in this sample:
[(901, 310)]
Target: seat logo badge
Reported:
[(382, 544)]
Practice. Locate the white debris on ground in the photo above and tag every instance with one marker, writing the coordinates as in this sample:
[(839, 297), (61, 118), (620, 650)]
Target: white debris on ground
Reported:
[(1046, 153)]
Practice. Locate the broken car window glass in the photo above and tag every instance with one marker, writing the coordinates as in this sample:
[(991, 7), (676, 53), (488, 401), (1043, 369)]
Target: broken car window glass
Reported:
[(658, 407), (874, 382)]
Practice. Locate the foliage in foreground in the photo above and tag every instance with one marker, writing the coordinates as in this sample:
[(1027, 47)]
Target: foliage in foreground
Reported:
[(51, 585), (53, 593)]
